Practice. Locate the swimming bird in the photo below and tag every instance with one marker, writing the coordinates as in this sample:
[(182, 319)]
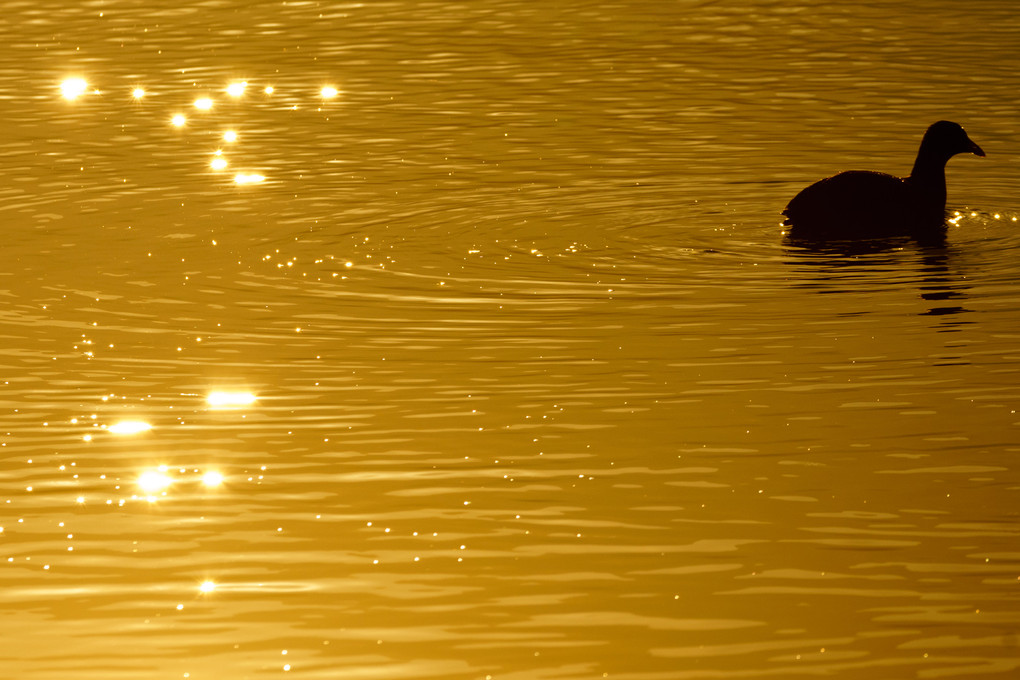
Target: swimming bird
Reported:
[(861, 204)]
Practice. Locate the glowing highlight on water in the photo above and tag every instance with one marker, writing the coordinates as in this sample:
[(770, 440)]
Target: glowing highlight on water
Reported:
[(152, 481), (72, 88), (129, 427), (212, 478), (228, 399)]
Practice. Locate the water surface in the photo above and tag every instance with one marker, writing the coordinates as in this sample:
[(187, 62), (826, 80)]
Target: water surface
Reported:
[(531, 386)]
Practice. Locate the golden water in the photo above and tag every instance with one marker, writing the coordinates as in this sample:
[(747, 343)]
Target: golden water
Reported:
[(491, 361)]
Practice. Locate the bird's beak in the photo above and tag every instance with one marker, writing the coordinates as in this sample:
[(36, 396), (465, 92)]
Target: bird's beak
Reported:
[(975, 149)]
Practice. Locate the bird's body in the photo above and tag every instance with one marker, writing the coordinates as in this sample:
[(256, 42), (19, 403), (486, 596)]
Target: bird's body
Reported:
[(861, 204)]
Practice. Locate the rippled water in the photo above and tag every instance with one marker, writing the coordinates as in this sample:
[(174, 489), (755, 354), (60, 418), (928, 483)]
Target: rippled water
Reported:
[(540, 392)]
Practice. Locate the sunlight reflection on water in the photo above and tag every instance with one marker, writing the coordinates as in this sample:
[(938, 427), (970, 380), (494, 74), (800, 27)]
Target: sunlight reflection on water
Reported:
[(487, 357)]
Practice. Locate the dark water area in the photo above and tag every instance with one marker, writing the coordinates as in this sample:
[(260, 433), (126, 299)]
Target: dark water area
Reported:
[(492, 361)]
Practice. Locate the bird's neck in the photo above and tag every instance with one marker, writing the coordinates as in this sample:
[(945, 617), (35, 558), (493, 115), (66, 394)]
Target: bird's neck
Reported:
[(929, 176)]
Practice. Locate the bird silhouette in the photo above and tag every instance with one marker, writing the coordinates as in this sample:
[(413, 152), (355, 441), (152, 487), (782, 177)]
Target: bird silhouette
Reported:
[(861, 204)]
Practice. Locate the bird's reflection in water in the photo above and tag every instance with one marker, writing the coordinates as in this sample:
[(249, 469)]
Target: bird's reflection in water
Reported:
[(940, 285), (925, 263)]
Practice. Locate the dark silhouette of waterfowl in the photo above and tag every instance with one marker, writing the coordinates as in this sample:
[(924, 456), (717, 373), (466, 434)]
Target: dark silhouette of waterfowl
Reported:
[(860, 204)]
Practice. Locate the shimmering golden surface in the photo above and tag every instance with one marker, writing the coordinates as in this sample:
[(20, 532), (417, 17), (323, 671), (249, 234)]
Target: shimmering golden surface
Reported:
[(503, 370)]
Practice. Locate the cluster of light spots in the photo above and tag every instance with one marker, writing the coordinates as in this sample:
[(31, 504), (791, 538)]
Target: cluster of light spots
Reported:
[(72, 88), (154, 484), (258, 479), (230, 399), (285, 262), (129, 427)]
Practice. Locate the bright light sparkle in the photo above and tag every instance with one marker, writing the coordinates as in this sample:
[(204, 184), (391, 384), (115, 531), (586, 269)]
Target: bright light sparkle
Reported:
[(129, 427), (72, 88), (236, 89), (138, 93), (242, 178), (204, 103), (212, 478), (230, 399), (153, 481), (328, 92), (178, 120), (207, 587), (269, 89), (218, 163), (229, 136)]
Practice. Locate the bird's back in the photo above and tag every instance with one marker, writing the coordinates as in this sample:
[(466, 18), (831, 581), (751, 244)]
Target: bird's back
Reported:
[(854, 204)]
